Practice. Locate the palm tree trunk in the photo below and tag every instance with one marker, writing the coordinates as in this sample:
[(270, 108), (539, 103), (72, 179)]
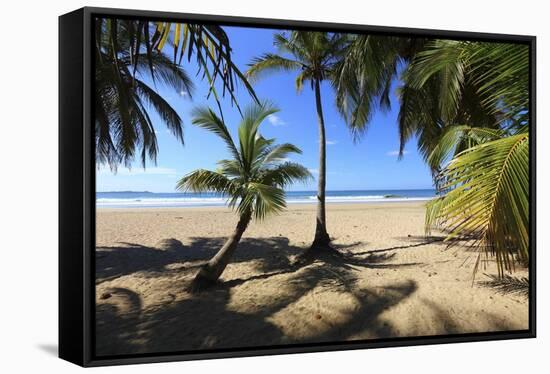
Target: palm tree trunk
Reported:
[(322, 238), (211, 271)]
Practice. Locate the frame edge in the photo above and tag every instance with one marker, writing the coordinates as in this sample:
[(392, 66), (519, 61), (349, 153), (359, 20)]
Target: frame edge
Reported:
[(75, 266), (71, 285)]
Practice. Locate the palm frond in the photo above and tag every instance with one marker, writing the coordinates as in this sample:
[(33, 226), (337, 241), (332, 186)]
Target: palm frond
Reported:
[(501, 70), (262, 200), (421, 113), (208, 44), (169, 116), (289, 45), (418, 115), (444, 58), (362, 79), (279, 153), (270, 63), (165, 72), (207, 119), (230, 168), (206, 181), (455, 139), (508, 284), (488, 198), (300, 79), (250, 145), (285, 174)]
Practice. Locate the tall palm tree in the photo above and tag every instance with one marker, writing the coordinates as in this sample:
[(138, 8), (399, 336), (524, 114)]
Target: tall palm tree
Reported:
[(483, 157), (127, 51), (317, 57), (313, 55), (253, 179)]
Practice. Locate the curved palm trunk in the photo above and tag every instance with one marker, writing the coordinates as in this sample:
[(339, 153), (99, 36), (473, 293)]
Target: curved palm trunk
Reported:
[(211, 271), (322, 238)]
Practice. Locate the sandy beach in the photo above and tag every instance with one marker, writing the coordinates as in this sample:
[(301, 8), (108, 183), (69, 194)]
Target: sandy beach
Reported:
[(392, 282)]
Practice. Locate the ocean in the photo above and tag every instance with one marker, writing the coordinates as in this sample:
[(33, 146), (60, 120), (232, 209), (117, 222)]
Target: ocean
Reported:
[(145, 199)]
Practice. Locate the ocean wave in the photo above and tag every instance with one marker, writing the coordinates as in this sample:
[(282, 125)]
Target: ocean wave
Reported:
[(168, 201), (220, 201), (343, 198), (358, 199)]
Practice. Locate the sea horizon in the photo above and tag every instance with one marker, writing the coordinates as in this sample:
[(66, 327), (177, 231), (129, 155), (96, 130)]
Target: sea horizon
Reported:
[(148, 199)]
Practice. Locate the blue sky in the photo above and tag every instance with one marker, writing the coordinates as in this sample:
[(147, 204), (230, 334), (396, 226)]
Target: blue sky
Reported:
[(369, 164)]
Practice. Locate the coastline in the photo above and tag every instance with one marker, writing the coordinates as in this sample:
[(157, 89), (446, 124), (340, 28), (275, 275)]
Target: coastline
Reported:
[(396, 282), (290, 203), (147, 199)]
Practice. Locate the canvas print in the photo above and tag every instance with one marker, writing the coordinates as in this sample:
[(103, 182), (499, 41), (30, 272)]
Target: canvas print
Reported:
[(261, 187)]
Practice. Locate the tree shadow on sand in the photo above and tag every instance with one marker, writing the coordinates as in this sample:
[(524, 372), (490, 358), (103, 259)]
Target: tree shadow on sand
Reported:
[(449, 325), (270, 254), (209, 320), (260, 314), (415, 242)]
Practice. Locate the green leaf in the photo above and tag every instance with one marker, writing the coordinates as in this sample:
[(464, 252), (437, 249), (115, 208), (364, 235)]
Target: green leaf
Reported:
[(488, 199)]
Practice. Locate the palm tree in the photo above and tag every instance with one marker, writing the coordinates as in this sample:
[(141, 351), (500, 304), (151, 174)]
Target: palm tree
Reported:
[(320, 56), (123, 100), (363, 77), (127, 51), (446, 84), (314, 55), (253, 179), (482, 148)]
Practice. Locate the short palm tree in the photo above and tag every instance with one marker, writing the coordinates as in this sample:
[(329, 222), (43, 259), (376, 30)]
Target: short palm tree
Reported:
[(253, 179), (318, 57)]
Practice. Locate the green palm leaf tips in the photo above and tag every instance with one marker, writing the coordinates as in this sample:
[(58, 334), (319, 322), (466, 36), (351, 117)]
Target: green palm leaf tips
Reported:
[(253, 180)]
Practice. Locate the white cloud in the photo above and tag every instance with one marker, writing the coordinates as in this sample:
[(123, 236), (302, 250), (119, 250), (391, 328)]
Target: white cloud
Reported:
[(183, 93), (396, 153), (313, 171), (137, 171), (276, 120), (331, 142)]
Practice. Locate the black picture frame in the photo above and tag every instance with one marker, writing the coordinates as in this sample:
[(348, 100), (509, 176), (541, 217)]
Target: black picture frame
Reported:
[(77, 189)]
